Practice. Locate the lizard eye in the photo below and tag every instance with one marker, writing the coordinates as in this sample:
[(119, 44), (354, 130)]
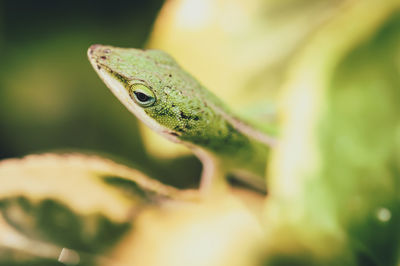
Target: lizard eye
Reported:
[(142, 95)]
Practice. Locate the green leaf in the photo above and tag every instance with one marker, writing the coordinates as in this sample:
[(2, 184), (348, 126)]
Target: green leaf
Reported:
[(83, 203), (335, 177)]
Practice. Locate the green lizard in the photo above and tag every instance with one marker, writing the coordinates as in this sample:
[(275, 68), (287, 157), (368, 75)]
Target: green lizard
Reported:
[(173, 103)]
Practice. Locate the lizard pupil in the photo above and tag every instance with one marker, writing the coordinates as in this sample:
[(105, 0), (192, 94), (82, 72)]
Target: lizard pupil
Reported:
[(141, 96)]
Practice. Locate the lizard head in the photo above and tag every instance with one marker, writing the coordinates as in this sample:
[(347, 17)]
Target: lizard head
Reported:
[(155, 89)]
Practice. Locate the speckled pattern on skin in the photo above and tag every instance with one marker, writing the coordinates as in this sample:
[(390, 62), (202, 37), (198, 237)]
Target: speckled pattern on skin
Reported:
[(185, 110)]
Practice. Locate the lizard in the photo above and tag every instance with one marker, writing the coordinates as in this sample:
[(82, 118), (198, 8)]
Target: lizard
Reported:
[(169, 100)]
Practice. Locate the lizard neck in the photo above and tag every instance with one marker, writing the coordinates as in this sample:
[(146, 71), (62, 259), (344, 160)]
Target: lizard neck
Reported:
[(239, 148), (245, 128)]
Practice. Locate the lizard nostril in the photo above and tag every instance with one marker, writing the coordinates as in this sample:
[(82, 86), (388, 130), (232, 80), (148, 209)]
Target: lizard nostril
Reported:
[(93, 47)]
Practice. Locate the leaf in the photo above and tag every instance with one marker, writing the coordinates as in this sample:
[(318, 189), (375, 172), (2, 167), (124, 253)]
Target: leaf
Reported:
[(335, 177), (85, 203), (218, 231)]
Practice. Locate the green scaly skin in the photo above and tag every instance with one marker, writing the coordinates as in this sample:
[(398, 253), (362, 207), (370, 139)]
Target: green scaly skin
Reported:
[(183, 111)]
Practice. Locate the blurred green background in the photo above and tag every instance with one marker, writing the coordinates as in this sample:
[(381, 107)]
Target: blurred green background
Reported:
[(52, 100)]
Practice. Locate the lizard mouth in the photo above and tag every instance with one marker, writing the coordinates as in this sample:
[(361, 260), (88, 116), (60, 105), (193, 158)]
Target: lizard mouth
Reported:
[(117, 87)]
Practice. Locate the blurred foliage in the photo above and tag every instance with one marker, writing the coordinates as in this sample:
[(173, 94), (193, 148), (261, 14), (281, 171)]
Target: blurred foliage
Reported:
[(74, 201), (108, 214), (335, 178), (331, 66)]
